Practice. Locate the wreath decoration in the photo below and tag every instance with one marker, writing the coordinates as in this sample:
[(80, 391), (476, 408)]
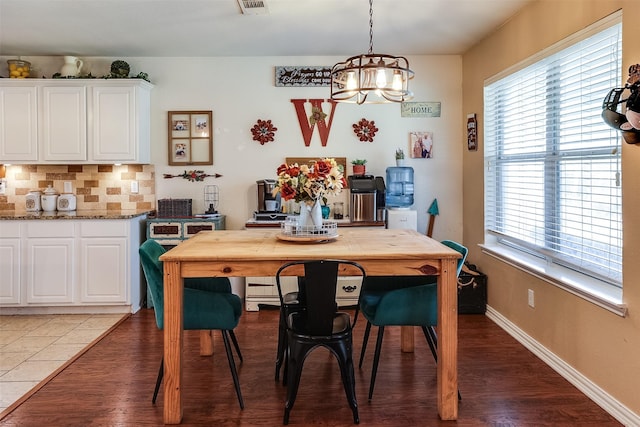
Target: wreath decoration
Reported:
[(263, 131), (365, 130)]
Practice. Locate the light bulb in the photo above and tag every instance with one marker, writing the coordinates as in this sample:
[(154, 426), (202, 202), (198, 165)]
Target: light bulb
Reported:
[(351, 80), (381, 75), (396, 83)]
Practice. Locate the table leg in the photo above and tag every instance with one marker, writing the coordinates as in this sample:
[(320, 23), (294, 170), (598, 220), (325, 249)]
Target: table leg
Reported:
[(406, 339), (448, 341), (173, 341), (206, 343)]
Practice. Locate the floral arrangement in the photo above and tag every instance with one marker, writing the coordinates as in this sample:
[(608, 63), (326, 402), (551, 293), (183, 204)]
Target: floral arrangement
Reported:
[(309, 184)]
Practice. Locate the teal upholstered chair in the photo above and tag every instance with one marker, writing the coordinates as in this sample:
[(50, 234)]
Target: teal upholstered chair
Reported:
[(208, 305), (401, 301)]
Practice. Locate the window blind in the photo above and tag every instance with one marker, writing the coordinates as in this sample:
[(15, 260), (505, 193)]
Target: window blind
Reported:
[(552, 178)]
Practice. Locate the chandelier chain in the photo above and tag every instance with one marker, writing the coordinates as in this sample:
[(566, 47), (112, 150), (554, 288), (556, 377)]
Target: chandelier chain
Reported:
[(370, 26)]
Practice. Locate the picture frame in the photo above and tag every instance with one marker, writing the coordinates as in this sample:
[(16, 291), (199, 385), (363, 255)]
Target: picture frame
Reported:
[(190, 137), (421, 145)]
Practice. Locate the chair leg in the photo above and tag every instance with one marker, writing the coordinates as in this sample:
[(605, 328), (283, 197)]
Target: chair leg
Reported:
[(293, 369), (282, 343), (343, 353), (365, 340), (232, 366), (432, 340), (158, 381), (235, 344), (376, 359)]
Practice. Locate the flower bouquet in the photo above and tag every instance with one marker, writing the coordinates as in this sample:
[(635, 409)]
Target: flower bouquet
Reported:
[(308, 185)]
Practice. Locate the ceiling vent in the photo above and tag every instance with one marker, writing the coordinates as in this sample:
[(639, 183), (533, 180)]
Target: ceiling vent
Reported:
[(253, 7)]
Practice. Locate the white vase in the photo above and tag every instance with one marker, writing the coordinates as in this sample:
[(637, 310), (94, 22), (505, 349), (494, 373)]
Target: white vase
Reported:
[(399, 162), (310, 215)]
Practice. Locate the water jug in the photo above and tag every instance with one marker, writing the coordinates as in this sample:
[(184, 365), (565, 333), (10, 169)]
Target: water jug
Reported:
[(399, 191), (71, 67)]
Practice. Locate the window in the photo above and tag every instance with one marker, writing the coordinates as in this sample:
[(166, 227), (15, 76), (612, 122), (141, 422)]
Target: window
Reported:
[(552, 178)]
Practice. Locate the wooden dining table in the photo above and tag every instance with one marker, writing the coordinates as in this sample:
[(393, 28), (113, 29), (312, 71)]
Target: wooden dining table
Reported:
[(260, 252)]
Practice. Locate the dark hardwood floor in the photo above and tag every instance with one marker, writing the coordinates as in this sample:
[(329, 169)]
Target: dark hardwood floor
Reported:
[(502, 383)]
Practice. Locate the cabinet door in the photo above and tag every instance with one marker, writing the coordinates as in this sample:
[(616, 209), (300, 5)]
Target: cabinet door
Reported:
[(63, 129), (18, 124), (103, 270), (50, 273), (10, 268), (120, 124)]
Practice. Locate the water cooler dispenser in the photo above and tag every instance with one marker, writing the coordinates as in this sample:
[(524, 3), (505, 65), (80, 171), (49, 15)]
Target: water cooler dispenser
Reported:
[(399, 198)]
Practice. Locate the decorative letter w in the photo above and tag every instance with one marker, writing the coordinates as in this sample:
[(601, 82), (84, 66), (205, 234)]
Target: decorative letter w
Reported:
[(306, 126)]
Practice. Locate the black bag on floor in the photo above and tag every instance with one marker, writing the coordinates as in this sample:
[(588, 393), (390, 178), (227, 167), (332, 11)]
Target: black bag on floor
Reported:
[(472, 291)]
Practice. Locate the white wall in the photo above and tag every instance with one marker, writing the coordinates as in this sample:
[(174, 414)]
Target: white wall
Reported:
[(240, 91)]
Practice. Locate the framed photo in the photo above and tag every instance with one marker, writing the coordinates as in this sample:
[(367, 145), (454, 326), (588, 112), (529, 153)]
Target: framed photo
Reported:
[(421, 145), (190, 138)]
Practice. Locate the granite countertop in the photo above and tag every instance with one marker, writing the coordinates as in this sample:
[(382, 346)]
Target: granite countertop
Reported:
[(79, 214)]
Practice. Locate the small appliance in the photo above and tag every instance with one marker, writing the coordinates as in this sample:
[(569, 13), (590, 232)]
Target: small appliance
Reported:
[(269, 206), (363, 198)]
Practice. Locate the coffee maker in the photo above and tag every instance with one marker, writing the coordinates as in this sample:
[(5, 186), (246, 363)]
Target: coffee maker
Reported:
[(267, 202)]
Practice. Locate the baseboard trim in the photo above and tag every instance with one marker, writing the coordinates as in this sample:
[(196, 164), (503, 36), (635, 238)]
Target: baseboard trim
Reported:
[(582, 383)]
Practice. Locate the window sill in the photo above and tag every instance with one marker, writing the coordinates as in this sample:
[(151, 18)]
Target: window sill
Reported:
[(585, 287)]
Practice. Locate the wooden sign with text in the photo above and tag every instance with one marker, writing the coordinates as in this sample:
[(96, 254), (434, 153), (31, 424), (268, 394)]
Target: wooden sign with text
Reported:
[(303, 76), (420, 109)]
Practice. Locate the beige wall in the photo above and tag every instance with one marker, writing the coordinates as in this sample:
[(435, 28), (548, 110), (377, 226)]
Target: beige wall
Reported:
[(600, 345)]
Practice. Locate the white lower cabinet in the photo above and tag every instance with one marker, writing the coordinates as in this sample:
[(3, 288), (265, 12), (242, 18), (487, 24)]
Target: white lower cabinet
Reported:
[(103, 261), (50, 277), (10, 262), (263, 290), (71, 265)]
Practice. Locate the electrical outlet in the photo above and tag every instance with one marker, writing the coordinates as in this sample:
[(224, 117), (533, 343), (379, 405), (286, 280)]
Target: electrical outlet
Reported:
[(68, 187), (3, 186), (134, 187), (531, 298)]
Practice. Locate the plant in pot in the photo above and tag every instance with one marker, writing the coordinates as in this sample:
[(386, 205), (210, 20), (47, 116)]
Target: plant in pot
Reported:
[(359, 167), (399, 157)]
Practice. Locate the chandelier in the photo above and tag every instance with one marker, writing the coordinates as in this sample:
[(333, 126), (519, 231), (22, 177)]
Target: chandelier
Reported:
[(385, 76)]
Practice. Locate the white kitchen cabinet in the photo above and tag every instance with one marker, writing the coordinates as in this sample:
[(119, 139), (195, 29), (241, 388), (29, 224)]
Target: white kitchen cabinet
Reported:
[(18, 123), (71, 266), (103, 261), (49, 259), (10, 262), (63, 124), (75, 121), (120, 127)]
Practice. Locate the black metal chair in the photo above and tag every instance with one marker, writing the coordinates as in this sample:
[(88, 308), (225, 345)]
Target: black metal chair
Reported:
[(319, 324)]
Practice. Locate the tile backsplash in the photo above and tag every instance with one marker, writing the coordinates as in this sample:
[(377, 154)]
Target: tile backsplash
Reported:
[(106, 187)]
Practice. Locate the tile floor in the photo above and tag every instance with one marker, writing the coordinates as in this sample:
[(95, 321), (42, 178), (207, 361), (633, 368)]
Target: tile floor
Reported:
[(32, 347)]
